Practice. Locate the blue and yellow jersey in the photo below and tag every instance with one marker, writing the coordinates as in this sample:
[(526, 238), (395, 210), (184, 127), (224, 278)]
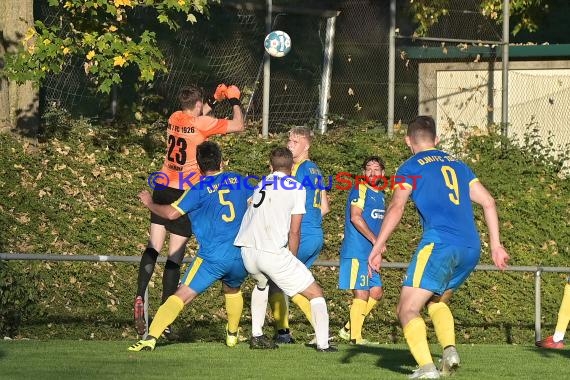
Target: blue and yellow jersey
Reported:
[(440, 189), (216, 206), (371, 202), (308, 174)]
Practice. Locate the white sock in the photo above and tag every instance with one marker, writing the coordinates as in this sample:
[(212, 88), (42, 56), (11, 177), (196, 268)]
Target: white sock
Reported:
[(558, 336), (258, 309), (320, 321)]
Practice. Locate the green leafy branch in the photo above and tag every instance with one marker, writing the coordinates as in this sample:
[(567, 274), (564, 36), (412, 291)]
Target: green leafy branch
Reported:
[(524, 13), (105, 35)]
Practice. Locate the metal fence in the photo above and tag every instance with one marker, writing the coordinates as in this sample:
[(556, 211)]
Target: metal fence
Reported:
[(452, 73), (536, 270), (460, 74)]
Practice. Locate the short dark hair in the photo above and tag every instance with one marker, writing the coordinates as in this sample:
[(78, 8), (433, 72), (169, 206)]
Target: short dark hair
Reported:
[(281, 159), (208, 156), (189, 95), (303, 131), (370, 159), (422, 128)]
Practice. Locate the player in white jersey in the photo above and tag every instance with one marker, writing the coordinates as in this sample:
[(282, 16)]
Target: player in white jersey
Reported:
[(269, 239)]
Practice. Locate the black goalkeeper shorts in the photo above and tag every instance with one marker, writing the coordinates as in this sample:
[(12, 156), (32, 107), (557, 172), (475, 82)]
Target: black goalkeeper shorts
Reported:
[(180, 226)]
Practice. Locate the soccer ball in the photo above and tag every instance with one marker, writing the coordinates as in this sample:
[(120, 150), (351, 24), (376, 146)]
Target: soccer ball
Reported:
[(277, 43)]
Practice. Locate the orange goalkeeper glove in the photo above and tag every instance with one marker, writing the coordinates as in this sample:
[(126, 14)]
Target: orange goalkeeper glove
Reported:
[(220, 93), (233, 95)]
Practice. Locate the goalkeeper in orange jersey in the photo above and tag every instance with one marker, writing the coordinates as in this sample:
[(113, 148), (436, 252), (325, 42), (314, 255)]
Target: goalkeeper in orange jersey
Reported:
[(187, 128)]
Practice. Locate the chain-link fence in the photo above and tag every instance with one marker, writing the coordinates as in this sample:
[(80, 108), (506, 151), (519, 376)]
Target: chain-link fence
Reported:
[(360, 65), (448, 45), (227, 47), (457, 70), (454, 73)]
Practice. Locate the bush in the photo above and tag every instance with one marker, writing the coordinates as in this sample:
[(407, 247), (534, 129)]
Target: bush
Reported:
[(18, 297), (76, 194)]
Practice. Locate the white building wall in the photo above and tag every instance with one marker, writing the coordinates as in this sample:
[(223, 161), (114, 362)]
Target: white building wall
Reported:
[(461, 96)]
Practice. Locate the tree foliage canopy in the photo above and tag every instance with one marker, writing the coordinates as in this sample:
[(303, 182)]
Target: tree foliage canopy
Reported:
[(108, 35), (523, 13)]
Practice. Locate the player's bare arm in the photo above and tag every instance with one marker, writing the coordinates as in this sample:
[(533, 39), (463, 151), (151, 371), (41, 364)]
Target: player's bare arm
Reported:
[(325, 205), (360, 224), (164, 211), (295, 233), (480, 195), (391, 220), (235, 124)]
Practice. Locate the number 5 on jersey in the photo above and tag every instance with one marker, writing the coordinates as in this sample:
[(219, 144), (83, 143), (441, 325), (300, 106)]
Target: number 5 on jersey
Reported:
[(227, 218)]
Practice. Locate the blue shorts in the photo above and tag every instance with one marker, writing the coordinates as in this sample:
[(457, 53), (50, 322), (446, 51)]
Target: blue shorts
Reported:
[(309, 248), (201, 274), (353, 274), (438, 267)]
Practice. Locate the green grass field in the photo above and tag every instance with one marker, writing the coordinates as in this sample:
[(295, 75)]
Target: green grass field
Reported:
[(66, 359)]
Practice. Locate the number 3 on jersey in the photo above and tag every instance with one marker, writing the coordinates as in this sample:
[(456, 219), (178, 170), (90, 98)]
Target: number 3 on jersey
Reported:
[(179, 157), (451, 182), (227, 218)]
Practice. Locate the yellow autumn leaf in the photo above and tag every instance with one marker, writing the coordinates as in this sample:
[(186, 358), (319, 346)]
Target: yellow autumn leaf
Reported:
[(47, 41), (112, 28), (90, 55), (119, 61), (31, 32), (127, 3), (23, 218), (181, 3), (66, 50)]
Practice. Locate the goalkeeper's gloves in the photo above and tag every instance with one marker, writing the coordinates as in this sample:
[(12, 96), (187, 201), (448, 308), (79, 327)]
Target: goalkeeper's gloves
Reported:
[(219, 95), (233, 94)]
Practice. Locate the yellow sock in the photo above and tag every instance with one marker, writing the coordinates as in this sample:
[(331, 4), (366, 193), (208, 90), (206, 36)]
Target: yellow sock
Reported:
[(416, 336), (165, 315), (234, 308), (443, 323), (357, 310), (304, 305), (564, 312), (369, 306), (280, 310)]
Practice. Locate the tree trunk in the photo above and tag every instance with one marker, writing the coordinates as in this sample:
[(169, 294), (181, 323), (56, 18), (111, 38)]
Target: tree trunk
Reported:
[(18, 103), (4, 97)]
